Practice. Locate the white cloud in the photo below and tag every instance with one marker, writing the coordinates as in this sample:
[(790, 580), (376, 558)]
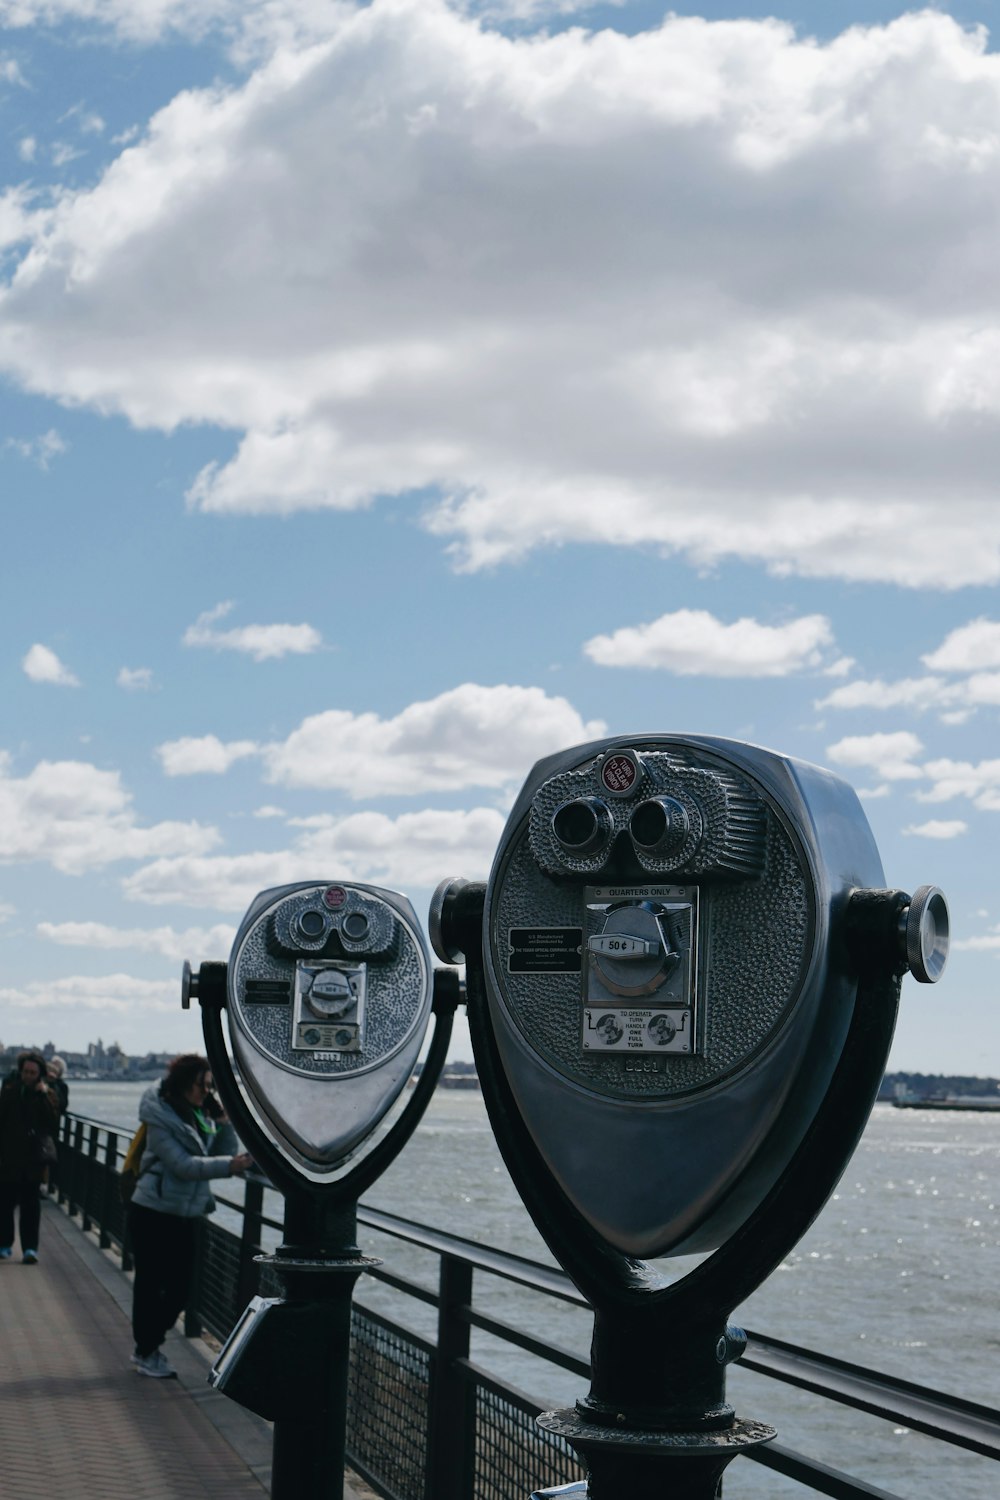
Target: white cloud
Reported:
[(692, 641), (206, 755), (788, 358), (262, 642), (414, 850), (954, 702), (17, 220), (77, 817), (247, 26), (63, 153), (970, 648), (468, 736), (135, 679), (10, 71), (222, 882), (961, 778), (268, 811), (918, 693), (982, 688), (987, 942), (43, 665), (7, 911), (889, 755), (27, 148), (194, 942), (117, 994), (938, 828)]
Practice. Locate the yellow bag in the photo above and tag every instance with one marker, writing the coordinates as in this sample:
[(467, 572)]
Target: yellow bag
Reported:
[(129, 1175)]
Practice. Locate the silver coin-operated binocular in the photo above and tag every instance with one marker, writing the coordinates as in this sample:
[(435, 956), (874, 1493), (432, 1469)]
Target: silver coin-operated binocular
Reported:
[(682, 977), (327, 996)]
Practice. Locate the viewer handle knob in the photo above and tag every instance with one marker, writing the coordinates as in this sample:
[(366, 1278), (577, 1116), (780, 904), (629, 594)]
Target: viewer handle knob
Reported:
[(924, 930), (189, 986)]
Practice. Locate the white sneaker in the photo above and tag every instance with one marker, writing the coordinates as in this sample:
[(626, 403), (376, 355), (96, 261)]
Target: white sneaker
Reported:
[(155, 1365)]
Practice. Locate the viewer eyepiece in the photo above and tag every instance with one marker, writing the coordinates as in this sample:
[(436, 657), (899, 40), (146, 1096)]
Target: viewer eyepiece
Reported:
[(581, 826)]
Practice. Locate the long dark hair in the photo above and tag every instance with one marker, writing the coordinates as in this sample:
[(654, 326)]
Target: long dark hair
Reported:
[(181, 1074), (35, 1057)]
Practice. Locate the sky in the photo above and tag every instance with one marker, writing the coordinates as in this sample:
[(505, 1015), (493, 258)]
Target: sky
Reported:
[(391, 395)]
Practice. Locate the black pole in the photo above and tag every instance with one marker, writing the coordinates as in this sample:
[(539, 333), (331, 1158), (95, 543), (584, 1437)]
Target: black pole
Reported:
[(319, 1263)]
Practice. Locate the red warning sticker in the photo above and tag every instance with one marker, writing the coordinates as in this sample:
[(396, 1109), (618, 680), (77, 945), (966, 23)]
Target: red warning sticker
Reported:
[(619, 773), (334, 897)]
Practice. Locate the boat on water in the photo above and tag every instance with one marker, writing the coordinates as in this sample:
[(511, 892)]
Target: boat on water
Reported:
[(967, 1102)]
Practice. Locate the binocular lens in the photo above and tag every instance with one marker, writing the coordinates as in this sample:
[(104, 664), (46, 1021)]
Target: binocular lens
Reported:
[(311, 924), (661, 824), (355, 926), (582, 825)]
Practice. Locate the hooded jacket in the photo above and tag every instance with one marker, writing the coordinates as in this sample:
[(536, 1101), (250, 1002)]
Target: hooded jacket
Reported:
[(179, 1162)]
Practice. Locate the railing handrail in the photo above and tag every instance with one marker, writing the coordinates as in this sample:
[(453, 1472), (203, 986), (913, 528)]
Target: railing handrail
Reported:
[(952, 1419), (516, 1268)]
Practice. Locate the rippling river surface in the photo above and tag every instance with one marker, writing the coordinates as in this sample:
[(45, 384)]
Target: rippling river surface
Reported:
[(900, 1273)]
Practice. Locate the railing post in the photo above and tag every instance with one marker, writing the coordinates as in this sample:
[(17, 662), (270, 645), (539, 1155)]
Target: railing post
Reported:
[(250, 1237), (89, 1171), (55, 1182), (109, 1188), (451, 1408), (192, 1313), (76, 1169)]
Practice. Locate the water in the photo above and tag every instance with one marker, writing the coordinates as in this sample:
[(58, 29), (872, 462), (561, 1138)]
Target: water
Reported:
[(901, 1272)]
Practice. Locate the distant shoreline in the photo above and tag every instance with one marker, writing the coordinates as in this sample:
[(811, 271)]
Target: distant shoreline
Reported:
[(446, 1081)]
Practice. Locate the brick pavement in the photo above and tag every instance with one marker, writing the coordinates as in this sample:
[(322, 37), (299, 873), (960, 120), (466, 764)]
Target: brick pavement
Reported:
[(75, 1418)]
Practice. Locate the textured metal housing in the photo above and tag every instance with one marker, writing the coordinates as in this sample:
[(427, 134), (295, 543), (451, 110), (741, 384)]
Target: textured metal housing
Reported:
[(669, 1158), (319, 1105)]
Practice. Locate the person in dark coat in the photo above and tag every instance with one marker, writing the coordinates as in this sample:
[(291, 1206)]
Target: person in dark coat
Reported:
[(28, 1110)]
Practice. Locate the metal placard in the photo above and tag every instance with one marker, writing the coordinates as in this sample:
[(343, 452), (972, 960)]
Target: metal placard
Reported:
[(329, 1008), (640, 971)]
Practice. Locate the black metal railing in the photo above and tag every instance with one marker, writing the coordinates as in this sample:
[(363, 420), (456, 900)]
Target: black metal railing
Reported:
[(426, 1421)]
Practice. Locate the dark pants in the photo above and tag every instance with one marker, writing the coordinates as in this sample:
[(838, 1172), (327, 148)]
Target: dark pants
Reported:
[(164, 1248), (26, 1194)]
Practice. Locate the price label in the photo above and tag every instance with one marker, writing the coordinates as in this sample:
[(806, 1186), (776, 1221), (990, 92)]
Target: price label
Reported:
[(619, 945)]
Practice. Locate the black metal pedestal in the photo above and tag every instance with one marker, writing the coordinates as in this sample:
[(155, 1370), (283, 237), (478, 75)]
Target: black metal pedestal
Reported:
[(633, 1465), (655, 1424), (288, 1358), (310, 1431)]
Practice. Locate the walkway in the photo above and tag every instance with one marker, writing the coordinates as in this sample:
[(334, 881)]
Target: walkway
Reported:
[(76, 1419)]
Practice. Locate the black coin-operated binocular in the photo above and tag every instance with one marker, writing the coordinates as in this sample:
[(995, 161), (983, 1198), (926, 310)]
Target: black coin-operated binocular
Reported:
[(327, 996), (683, 977)]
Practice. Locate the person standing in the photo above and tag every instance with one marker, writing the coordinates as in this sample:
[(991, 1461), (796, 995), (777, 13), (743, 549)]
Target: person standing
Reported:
[(29, 1111), (57, 1082), (189, 1142)]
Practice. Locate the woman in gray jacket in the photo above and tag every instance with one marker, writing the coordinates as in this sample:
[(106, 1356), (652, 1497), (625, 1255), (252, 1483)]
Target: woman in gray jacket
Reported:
[(189, 1142)]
